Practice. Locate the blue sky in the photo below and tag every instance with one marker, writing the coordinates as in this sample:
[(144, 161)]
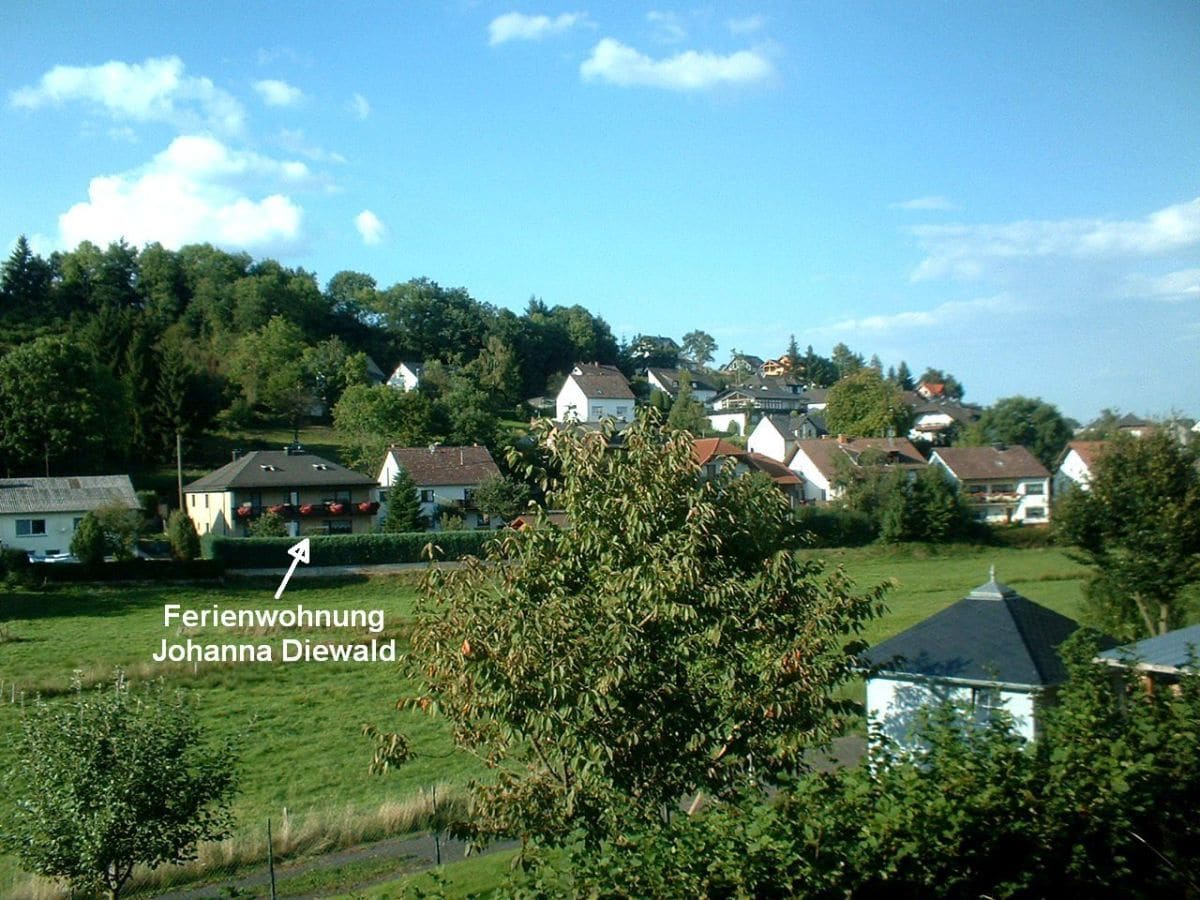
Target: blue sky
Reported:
[(1007, 191)]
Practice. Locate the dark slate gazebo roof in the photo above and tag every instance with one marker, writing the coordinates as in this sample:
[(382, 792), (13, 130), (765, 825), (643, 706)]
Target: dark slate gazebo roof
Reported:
[(992, 636)]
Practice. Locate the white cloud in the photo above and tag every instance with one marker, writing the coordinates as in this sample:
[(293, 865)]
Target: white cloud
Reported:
[(515, 26), (195, 190), (940, 316), (294, 140), (1179, 285), (157, 90), (968, 251), (278, 93), (370, 229), (360, 107), (748, 25), (617, 64), (667, 26), (919, 204)]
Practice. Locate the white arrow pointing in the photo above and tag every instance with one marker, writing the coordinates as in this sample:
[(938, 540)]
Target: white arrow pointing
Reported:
[(299, 554)]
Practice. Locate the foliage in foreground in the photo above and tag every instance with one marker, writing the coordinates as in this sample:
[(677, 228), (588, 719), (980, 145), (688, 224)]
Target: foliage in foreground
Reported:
[(112, 779), (1139, 525), (668, 641), (1101, 806)]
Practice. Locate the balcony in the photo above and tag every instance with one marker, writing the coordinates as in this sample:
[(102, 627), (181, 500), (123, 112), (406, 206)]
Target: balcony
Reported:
[(247, 512)]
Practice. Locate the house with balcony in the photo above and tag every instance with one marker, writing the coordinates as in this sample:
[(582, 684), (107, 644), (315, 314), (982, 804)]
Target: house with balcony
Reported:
[(445, 479), (1002, 484), (40, 515), (593, 392), (311, 494)]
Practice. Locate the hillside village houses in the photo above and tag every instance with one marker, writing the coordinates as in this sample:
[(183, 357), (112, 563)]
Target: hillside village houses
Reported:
[(711, 453), (445, 479), (776, 434), (40, 515), (1004, 484), (593, 392), (313, 495)]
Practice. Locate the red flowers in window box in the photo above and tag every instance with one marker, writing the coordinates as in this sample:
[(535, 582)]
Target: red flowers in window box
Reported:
[(337, 508), (368, 506), (245, 511), (278, 509), (307, 509)]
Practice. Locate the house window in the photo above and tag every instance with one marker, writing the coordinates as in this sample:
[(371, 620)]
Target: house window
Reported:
[(1035, 512), (426, 495), (977, 489), (383, 496), (1035, 489), (597, 412), (341, 496), (985, 702), (468, 496), (340, 526), (75, 522), (1002, 488), (622, 412), (28, 527)]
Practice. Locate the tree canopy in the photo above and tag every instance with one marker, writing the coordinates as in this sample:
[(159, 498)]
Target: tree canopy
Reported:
[(864, 405), (1138, 524), (1028, 421), (668, 641)]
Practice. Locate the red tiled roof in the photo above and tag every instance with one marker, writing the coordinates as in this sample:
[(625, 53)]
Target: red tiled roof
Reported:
[(773, 469), (705, 450), (1088, 451), (445, 465)]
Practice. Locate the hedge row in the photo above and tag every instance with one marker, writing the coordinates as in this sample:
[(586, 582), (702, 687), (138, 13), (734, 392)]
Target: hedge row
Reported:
[(347, 549), (128, 570), (834, 527)]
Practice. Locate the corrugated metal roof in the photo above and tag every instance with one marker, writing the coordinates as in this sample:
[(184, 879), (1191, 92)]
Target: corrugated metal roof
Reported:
[(1170, 652), (82, 493)]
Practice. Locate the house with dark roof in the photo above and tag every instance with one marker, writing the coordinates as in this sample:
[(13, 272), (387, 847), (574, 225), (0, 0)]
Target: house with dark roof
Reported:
[(743, 364), (311, 494), (820, 463), (667, 381), (445, 479), (1077, 465), (1003, 484), (776, 434), (39, 515), (992, 650), (938, 419), (593, 392)]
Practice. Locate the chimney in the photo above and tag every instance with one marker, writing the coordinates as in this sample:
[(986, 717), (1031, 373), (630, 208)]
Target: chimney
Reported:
[(237, 453)]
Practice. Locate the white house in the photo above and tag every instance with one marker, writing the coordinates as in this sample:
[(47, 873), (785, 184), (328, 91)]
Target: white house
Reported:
[(776, 434), (934, 420), (1077, 465), (667, 381), (39, 515), (1003, 484), (720, 422), (445, 479), (593, 392), (992, 650), (406, 377), (820, 462)]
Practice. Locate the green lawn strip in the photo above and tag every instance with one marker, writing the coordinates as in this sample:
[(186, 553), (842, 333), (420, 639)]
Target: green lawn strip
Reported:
[(476, 876)]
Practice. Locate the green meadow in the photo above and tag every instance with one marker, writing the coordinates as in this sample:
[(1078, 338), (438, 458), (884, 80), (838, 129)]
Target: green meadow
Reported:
[(298, 725)]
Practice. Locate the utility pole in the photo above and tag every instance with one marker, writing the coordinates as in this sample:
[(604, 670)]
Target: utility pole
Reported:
[(179, 466)]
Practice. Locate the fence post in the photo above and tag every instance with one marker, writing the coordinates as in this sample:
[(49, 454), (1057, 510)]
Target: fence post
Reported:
[(271, 858)]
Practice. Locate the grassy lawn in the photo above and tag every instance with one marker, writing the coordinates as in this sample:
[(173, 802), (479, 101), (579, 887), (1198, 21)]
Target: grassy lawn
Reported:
[(298, 724)]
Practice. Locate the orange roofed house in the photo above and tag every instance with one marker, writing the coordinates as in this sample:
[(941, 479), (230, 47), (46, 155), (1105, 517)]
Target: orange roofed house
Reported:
[(710, 454)]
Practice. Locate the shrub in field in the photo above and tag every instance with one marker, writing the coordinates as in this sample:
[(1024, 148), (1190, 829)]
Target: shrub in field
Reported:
[(182, 536), (89, 543)]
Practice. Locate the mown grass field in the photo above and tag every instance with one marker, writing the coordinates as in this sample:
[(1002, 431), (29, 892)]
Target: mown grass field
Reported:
[(298, 724)]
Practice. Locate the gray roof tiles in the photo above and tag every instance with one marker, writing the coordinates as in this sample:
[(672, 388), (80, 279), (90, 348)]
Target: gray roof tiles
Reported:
[(278, 469), (82, 493), (1172, 652)]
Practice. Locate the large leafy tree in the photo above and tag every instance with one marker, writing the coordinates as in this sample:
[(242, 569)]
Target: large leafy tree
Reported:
[(700, 347), (864, 405), (669, 641), (371, 418), (114, 778), (1138, 524), (59, 404), (1028, 421)]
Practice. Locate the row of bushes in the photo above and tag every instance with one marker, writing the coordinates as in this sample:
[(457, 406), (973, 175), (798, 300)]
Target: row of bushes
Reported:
[(347, 549), (835, 526)]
